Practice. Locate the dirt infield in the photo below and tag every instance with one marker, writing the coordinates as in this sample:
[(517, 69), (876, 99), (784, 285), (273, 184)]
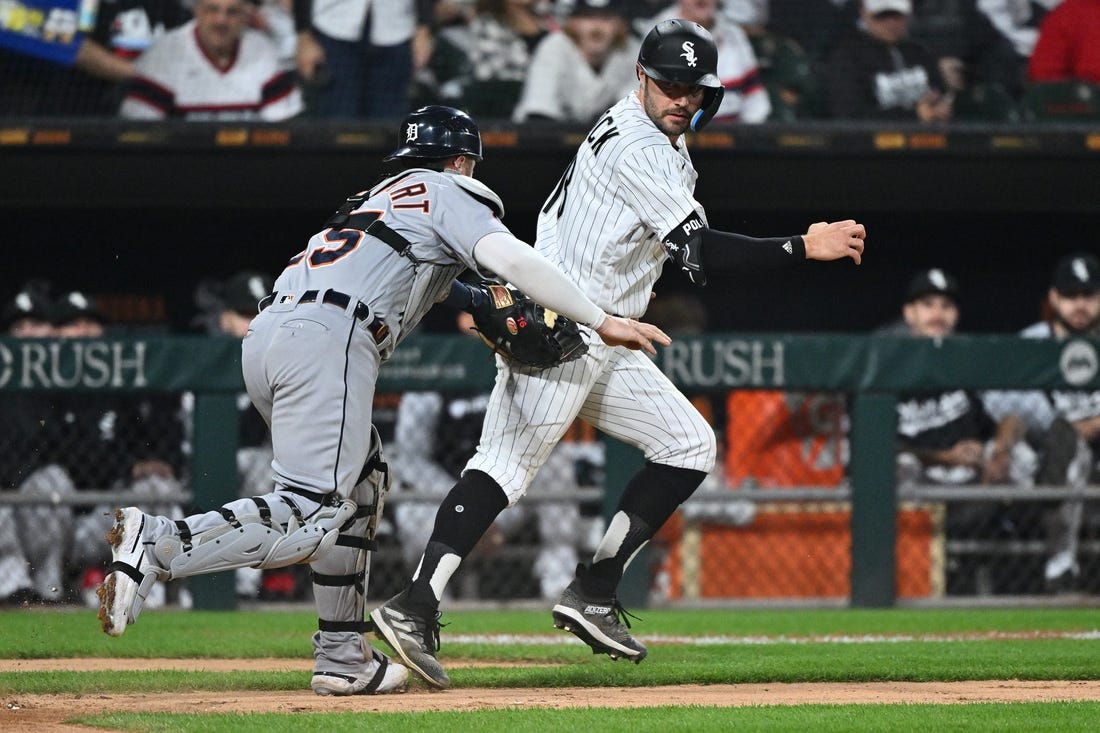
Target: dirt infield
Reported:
[(48, 713)]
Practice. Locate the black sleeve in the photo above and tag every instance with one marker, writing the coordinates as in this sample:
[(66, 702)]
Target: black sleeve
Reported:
[(726, 250), (303, 15)]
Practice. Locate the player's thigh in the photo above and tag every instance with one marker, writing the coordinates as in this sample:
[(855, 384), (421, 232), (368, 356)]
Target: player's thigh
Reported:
[(528, 413), (324, 369), (635, 402)]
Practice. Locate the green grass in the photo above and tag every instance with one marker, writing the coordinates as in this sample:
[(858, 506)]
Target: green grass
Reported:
[(1013, 718), (792, 656), (47, 633)]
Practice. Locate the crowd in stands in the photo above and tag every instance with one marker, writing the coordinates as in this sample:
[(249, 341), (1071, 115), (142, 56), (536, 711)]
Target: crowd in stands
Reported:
[(566, 60)]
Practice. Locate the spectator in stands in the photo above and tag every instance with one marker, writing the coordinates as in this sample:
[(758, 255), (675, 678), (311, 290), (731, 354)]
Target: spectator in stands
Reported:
[(877, 72), (948, 438), (30, 555), (503, 37), (105, 60), (1068, 47), (785, 69), (977, 62), (578, 72), (212, 68), (1018, 22), (1065, 423), (480, 66), (361, 54), (746, 98)]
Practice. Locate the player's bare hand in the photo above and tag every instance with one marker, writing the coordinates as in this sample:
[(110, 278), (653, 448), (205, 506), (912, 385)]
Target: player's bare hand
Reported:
[(616, 331), (835, 240)]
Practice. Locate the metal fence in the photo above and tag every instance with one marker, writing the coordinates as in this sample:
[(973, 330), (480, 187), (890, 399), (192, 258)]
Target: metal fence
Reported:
[(810, 501)]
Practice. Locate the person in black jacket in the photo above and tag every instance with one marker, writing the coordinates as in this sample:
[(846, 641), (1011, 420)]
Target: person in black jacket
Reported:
[(948, 438), (878, 72)]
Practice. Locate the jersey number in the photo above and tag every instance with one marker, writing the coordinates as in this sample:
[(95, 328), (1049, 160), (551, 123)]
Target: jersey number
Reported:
[(339, 242)]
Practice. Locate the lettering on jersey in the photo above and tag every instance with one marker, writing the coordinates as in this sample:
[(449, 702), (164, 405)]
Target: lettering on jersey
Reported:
[(689, 53), (560, 190), (604, 136), (691, 225), (413, 190)]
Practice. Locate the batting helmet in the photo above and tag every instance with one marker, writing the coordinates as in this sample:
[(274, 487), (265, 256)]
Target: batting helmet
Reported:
[(435, 132), (683, 52)]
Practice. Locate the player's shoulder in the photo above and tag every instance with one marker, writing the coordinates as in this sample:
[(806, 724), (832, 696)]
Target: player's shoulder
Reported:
[(475, 190)]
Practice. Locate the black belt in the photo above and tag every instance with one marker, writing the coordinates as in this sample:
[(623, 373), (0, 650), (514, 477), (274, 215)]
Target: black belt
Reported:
[(375, 326)]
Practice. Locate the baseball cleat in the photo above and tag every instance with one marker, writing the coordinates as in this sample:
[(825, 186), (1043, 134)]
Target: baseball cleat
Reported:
[(387, 678), (598, 623), (130, 575), (413, 635)]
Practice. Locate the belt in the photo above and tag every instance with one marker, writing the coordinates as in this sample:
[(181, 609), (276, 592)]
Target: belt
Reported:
[(375, 326)]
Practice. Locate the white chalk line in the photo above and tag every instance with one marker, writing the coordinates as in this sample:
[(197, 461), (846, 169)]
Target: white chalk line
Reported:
[(722, 639)]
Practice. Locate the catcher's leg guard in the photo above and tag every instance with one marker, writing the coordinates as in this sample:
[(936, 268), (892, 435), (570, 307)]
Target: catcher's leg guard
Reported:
[(262, 532), (344, 663)]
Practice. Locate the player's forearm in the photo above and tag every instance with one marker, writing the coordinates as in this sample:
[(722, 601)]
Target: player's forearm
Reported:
[(536, 276), (726, 250)]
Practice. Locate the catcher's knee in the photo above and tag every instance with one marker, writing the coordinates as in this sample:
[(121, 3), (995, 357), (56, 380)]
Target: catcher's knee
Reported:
[(253, 540)]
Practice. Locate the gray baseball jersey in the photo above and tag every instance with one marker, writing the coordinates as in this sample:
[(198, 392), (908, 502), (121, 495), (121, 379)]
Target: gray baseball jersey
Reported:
[(603, 223), (311, 357)]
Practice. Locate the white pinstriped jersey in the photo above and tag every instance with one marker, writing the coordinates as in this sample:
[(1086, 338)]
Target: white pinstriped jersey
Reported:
[(625, 190)]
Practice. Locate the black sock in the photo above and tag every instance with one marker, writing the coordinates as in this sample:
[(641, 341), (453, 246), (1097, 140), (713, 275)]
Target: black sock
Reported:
[(462, 518), (650, 498)]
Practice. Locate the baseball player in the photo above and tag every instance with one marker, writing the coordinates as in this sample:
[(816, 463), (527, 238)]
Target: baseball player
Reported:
[(624, 205), (311, 359)]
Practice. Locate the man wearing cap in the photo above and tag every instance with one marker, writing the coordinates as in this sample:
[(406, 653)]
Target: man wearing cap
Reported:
[(878, 72), (948, 438), (578, 72), (1067, 422)]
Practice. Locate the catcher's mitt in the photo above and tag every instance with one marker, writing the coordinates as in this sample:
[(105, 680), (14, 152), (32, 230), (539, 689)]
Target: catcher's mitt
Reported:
[(520, 329)]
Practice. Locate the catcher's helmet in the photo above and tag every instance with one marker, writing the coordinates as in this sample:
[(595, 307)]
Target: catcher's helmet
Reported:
[(680, 51), (435, 132)]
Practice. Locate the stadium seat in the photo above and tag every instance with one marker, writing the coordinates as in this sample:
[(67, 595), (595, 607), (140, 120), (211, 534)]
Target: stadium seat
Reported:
[(1062, 101)]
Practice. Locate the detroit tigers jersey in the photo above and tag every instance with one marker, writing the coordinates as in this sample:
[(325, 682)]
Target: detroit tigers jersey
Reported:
[(625, 190), (175, 78), (440, 215)]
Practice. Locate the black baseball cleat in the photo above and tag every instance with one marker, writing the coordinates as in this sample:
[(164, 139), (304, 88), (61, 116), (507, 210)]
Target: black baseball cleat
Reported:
[(600, 623), (414, 635)]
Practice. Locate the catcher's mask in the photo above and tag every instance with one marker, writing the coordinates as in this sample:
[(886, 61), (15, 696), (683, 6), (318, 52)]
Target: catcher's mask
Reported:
[(683, 52), (435, 132)]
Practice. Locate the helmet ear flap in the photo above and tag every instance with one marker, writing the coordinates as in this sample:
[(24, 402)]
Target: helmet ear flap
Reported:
[(712, 100)]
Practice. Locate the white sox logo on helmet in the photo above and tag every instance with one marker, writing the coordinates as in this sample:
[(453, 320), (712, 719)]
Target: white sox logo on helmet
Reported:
[(412, 132), (689, 53)]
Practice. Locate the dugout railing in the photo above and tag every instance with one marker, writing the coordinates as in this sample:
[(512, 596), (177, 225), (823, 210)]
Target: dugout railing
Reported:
[(870, 371)]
